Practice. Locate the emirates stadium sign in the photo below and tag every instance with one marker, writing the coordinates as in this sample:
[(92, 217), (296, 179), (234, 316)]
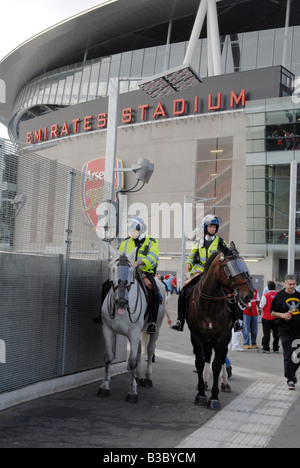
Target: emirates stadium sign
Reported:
[(224, 93), (141, 112)]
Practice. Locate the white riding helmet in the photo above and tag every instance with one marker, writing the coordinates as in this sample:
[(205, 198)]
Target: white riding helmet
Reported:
[(208, 220), (136, 227)]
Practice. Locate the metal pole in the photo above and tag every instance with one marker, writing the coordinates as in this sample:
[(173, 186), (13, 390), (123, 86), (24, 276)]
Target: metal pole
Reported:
[(111, 137), (184, 229), (292, 218), (167, 54), (196, 32), (213, 32), (287, 24), (66, 266), (183, 249)]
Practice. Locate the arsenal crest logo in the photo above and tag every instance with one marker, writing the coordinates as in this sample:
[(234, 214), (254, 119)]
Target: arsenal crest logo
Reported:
[(92, 187)]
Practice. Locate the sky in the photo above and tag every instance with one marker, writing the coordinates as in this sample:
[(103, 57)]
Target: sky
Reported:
[(21, 20)]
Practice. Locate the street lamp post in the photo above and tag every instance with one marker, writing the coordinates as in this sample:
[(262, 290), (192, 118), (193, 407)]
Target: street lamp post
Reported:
[(184, 226)]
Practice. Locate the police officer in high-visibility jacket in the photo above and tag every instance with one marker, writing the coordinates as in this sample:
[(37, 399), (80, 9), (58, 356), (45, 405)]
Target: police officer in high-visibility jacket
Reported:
[(202, 249), (147, 257)]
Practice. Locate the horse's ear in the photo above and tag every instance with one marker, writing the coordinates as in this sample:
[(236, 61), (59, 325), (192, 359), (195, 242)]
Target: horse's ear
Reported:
[(233, 247), (223, 248), (131, 256)]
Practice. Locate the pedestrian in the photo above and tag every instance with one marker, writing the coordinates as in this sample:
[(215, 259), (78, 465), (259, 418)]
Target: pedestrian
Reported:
[(174, 285), (269, 323), (250, 316), (285, 307), (166, 287), (278, 286)]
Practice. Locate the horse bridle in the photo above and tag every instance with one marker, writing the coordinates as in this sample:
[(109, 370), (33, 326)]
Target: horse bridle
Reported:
[(229, 270), (124, 262)]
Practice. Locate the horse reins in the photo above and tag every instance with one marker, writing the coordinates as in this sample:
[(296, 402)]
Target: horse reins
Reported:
[(128, 307), (228, 296), (222, 298)]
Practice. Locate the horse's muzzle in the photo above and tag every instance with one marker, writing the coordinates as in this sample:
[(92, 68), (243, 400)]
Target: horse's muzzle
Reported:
[(122, 301), (248, 298)]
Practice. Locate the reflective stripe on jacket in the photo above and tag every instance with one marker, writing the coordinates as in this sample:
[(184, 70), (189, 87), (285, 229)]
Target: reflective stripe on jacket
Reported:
[(203, 254), (147, 253)]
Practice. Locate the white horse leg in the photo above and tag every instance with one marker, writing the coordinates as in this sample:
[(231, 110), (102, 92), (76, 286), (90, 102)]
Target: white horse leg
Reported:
[(135, 347), (109, 336), (206, 373)]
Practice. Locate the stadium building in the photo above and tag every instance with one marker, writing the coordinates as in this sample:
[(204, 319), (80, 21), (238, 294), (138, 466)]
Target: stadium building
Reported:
[(230, 138)]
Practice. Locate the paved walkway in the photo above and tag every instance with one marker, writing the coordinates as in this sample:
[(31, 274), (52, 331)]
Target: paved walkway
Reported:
[(260, 411)]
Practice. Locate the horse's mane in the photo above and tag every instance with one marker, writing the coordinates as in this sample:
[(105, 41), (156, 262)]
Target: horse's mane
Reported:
[(213, 256), (209, 262)]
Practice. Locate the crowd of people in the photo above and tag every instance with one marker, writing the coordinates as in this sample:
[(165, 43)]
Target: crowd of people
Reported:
[(279, 308), (170, 283)]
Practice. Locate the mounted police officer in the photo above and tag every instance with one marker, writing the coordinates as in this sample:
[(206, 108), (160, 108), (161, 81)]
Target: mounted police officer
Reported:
[(202, 249), (146, 259)]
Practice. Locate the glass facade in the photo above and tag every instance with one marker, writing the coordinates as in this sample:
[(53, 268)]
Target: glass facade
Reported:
[(88, 80), (214, 179), (273, 133)]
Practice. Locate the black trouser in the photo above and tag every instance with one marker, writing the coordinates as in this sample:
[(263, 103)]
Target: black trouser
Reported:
[(183, 295), (154, 298), (268, 327), (290, 367)]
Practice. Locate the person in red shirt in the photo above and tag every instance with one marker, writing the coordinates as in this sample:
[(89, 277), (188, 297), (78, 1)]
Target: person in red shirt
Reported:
[(174, 285), (250, 313), (268, 321)]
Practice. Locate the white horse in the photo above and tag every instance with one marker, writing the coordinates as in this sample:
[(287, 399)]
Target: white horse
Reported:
[(123, 313)]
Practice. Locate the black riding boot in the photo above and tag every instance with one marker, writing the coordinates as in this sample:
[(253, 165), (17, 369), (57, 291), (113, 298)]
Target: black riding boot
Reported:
[(153, 312), (179, 325)]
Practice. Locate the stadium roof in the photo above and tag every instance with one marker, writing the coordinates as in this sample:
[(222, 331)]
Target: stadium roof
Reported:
[(120, 25)]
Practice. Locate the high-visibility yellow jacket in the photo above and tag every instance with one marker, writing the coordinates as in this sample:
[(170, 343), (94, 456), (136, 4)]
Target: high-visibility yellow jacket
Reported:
[(148, 253), (203, 254)]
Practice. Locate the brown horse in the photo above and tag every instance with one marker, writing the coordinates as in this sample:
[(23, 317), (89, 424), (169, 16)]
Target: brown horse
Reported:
[(225, 283)]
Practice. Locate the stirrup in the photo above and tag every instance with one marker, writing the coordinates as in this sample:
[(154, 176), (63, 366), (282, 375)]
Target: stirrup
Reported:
[(151, 328), (178, 326)]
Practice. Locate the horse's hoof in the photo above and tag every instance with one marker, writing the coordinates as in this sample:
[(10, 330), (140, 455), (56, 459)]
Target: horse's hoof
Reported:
[(147, 383), (132, 398), (225, 388), (214, 405), (201, 400), (140, 382), (103, 393)]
